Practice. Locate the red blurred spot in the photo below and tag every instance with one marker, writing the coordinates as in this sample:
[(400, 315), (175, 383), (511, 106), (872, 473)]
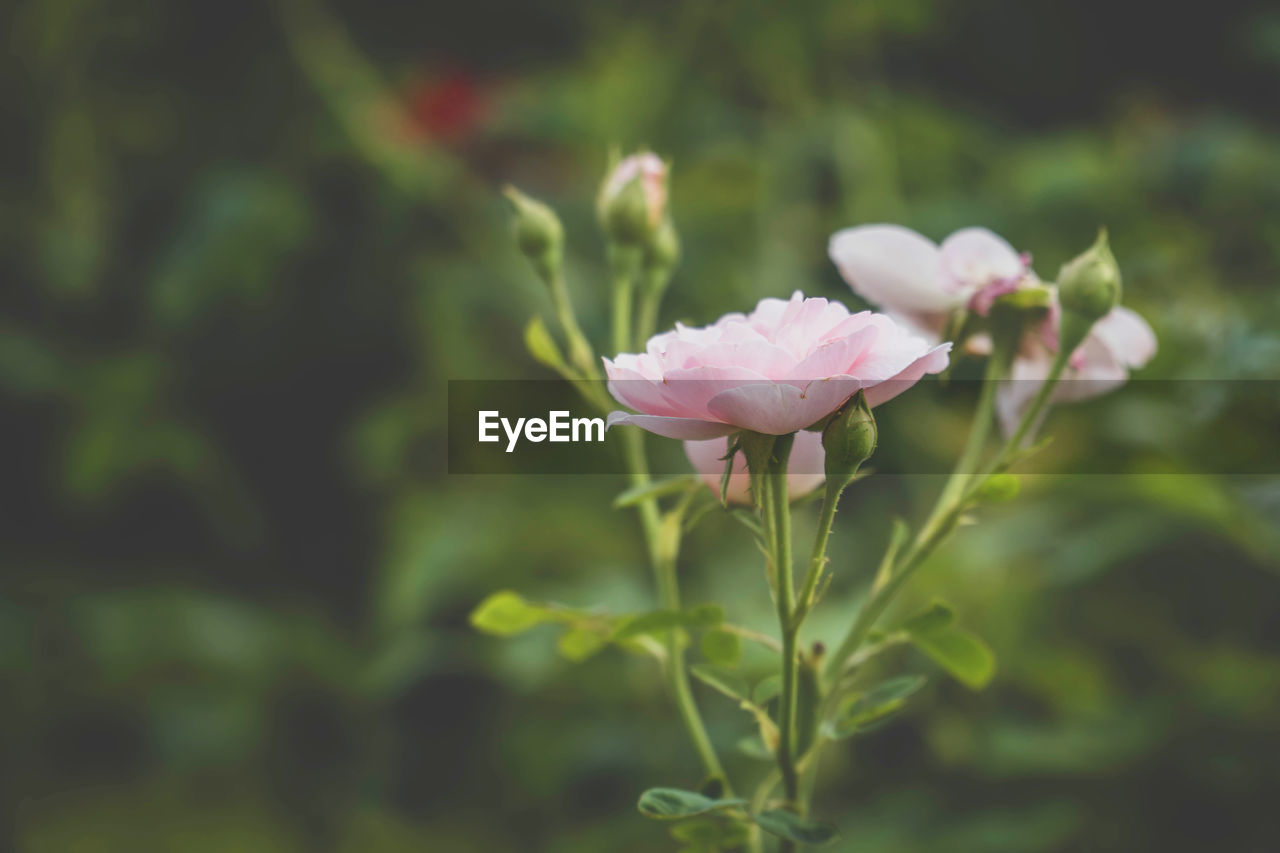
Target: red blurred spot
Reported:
[(447, 108)]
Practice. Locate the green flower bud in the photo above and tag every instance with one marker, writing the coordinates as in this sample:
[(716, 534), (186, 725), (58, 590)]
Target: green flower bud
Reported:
[(538, 231), (1089, 285), (633, 198), (849, 439), (625, 217)]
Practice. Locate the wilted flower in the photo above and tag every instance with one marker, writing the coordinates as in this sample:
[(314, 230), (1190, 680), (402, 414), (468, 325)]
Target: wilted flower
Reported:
[(782, 368), (804, 470)]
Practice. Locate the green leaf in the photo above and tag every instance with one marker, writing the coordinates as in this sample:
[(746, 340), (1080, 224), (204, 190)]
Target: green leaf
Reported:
[(863, 711), (722, 648), (579, 643), (506, 613), (795, 828), (766, 689), (728, 683), (656, 489), (543, 347), (937, 616), (658, 621), (675, 803), (753, 746), (960, 653)]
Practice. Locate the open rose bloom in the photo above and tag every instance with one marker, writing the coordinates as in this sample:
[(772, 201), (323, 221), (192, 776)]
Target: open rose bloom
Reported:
[(779, 369), (922, 283)]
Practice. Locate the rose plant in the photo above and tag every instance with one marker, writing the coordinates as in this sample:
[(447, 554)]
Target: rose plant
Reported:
[(774, 404)]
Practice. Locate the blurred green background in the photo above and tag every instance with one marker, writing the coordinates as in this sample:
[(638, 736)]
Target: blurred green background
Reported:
[(246, 244)]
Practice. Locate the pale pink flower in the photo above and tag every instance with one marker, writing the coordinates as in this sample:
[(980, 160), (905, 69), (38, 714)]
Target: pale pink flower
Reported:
[(782, 368), (651, 171), (921, 283), (804, 471), (1119, 342)]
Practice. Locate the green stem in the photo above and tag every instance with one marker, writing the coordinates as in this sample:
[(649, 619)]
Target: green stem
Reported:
[(1031, 417), (951, 501), (662, 538), (651, 290), (780, 512), (818, 558), (580, 352), (963, 475)]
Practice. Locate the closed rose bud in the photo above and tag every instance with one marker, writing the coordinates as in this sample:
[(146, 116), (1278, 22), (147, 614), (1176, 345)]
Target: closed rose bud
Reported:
[(633, 198), (1088, 288), (849, 440), (538, 231)]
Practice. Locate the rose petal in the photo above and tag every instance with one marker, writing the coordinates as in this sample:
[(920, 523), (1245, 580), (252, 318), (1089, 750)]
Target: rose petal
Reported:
[(893, 267), (682, 429)]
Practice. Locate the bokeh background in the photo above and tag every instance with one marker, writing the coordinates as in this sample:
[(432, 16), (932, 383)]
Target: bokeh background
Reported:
[(246, 244)]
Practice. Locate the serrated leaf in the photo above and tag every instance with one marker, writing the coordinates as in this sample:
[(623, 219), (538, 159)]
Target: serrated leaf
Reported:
[(577, 644), (962, 654), (658, 621), (507, 613), (792, 827), (675, 803), (863, 711), (936, 617), (729, 683), (538, 340), (722, 648), (656, 489)]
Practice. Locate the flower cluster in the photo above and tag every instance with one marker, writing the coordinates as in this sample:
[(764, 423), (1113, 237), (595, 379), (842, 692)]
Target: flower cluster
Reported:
[(923, 284), (776, 403)]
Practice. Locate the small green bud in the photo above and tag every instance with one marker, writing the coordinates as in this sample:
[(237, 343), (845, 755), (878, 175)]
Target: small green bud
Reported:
[(999, 488), (1089, 285), (538, 231), (625, 216), (849, 439)]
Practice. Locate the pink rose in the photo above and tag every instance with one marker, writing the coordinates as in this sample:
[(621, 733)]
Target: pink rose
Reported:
[(914, 279), (804, 471), (651, 171), (1119, 342), (780, 369), (921, 284)]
